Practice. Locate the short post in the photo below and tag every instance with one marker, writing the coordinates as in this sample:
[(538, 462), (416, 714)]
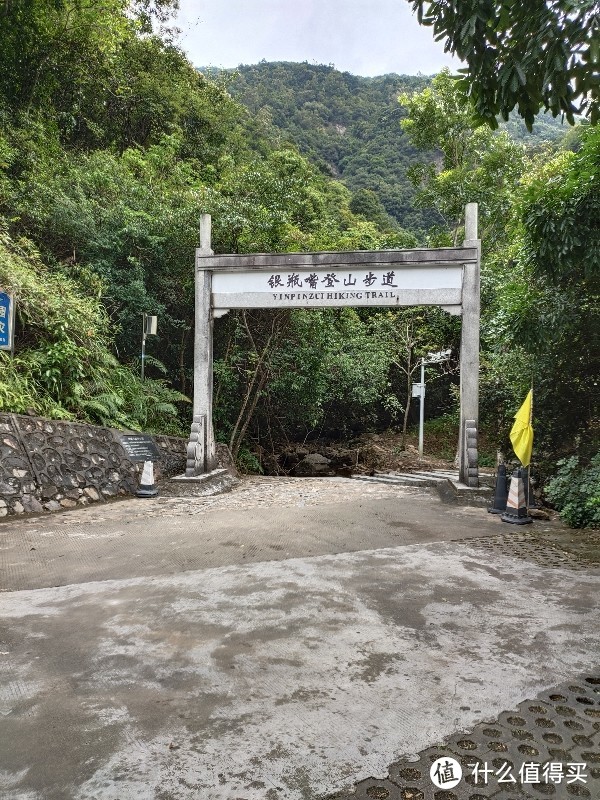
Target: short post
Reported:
[(469, 356)]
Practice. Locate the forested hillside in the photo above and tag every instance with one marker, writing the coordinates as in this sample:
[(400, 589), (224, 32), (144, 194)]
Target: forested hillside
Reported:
[(111, 146), (350, 127)]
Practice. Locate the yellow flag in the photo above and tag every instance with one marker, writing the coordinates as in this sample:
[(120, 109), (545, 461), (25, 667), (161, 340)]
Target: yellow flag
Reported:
[(521, 434)]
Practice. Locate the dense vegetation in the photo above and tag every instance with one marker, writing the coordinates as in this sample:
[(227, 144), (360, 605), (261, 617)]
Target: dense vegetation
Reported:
[(112, 144), (350, 127), (347, 125)]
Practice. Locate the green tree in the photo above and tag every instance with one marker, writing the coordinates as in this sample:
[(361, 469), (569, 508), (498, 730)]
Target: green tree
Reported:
[(477, 164), (545, 317), (540, 264), (560, 210), (299, 373), (345, 124), (366, 203), (406, 335), (534, 55), (51, 49)]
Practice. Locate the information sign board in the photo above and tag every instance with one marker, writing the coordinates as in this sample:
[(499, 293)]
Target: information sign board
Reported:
[(321, 288), (6, 321), (139, 447)]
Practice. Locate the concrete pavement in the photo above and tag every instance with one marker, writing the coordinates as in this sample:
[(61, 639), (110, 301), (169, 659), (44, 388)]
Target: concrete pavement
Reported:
[(284, 641), (264, 519)]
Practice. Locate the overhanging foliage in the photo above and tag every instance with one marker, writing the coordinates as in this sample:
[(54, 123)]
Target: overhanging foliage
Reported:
[(529, 55)]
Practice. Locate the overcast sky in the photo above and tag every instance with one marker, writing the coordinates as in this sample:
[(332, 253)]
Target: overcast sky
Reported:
[(366, 37)]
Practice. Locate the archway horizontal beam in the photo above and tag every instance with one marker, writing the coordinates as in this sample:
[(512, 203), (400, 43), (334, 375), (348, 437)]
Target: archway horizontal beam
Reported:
[(442, 256)]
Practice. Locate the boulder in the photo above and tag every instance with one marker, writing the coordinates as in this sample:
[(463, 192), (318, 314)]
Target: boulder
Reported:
[(539, 513), (31, 503), (49, 490), (314, 465), (66, 502)]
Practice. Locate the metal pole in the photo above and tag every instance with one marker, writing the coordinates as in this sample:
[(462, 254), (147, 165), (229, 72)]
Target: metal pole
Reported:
[(422, 408), (143, 342), (12, 326)]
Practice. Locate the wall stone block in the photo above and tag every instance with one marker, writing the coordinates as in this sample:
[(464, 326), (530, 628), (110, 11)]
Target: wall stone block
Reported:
[(48, 465)]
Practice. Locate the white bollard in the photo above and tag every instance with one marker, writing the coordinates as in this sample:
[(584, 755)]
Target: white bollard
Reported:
[(147, 485)]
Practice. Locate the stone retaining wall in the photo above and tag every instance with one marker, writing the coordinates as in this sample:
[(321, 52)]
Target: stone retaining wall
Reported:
[(50, 464)]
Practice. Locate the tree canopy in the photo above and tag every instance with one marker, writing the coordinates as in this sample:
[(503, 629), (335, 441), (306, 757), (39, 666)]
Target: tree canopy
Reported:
[(352, 128), (533, 55), (111, 145), (477, 164), (540, 257)]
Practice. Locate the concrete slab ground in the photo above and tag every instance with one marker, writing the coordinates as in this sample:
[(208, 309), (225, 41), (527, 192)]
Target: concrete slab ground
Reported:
[(287, 640), (265, 519)]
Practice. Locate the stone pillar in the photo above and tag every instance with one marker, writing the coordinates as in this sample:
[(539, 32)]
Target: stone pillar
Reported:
[(201, 446), (469, 356)]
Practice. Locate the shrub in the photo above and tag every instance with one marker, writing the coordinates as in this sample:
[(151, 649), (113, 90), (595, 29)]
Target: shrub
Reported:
[(575, 491), (63, 365)]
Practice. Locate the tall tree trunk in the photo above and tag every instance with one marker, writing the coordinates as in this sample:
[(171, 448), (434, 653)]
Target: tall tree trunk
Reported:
[(235, 447), (259, 374)]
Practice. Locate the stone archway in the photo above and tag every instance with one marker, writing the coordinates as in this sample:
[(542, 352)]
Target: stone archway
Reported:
[(445, 277)]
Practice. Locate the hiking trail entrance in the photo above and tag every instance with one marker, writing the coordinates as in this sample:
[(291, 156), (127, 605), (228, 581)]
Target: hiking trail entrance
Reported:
[(446, 277)]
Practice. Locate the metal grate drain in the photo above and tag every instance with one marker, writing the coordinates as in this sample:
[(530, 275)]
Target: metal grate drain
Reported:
[(544, 551), (560, 726)]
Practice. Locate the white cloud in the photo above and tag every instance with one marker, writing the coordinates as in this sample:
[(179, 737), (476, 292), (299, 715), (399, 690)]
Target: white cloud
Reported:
[(366, 37)]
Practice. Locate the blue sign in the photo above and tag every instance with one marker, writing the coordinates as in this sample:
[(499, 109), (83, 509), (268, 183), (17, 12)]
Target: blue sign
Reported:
[(6, 321)]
